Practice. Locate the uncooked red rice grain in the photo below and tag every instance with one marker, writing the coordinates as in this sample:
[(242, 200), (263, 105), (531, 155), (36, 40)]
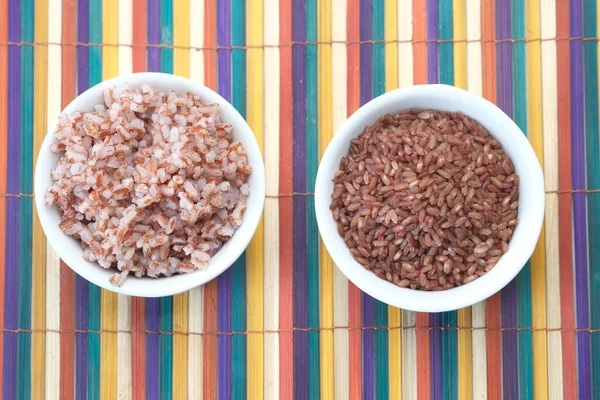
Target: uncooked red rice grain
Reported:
[(426, 200)]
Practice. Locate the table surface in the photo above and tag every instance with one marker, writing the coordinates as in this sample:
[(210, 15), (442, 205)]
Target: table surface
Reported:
[(283, 322)]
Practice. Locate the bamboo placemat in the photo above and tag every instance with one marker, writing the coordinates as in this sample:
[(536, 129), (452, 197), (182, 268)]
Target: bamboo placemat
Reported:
[(283, 322)]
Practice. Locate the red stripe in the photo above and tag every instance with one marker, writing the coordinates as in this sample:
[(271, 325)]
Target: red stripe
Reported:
[(354, 303), (139, 36), (138, 304), (3, 161), (286, 249), (67, 276), (420, 77), (210, 289), (569, 351), (493, 335)]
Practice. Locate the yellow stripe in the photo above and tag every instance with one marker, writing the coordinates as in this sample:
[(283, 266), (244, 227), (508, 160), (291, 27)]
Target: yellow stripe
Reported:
[(460, 45), (538, 260), (465, 386), (391, 46), (108, 337), (325, 113), (181, 66), (394, 314), (39, 240), (255, 275)]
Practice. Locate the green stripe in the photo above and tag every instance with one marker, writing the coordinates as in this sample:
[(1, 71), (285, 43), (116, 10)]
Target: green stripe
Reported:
[(238, 272), (380, 314), (525, 341), (312, 162), (449, 338), (94, 292), (166, 303), (25, 204), (593, 180)]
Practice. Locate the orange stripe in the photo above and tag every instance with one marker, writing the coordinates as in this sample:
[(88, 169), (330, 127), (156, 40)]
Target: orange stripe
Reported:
[(569, 351), (210, 340), (286, 249), (420, 77), (139, 36), (353, 56), (138, 347), (354, 303), (419, 45), (493, 337), (210, 291), (3, 160), (67, 276)]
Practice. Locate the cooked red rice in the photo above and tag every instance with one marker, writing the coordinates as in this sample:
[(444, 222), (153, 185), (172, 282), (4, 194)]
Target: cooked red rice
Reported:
[(151, 183), (427, 200)]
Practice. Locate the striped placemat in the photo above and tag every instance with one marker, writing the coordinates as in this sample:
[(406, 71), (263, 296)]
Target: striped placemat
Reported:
[(283, 322)]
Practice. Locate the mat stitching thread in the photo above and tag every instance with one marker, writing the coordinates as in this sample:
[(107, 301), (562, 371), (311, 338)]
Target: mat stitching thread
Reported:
[(330, 42), (362, 328), (308, 194)]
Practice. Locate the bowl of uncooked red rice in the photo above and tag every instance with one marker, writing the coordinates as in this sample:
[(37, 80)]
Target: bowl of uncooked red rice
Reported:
[(149, 185), (430, 198)]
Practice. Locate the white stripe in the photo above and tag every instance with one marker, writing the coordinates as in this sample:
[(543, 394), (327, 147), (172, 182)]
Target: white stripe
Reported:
[(405, 79), (271, 214), (124, 362), (550, 129), (339, 87), (475, 85), (405, 53), (409, 356), (196, 296), (52, 359), (196, 41)]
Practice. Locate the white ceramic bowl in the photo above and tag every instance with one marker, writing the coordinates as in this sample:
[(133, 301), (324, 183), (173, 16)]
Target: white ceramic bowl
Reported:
[(70, 250), (531, 197)]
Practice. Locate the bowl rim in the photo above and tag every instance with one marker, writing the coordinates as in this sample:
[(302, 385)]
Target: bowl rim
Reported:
[(146, 286), (423, 301)]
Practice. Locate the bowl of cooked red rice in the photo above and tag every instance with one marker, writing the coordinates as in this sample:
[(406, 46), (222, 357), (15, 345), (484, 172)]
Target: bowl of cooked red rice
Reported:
[(430, 198), (149, 185)]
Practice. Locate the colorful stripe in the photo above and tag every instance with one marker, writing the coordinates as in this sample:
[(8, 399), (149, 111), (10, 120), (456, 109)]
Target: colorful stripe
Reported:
[(3, 167), (286, 206), (239, 292), (181, 66), (224, 281), (592, 148), (579, 201), (291, 325), (300, 288), (312, 232), (324, 135)]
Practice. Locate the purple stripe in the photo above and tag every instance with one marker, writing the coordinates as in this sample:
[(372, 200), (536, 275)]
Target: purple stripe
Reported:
[(11, 294), (435, 356), (81, 285), (579, 203), (510, 360), (368, 348), (153, 305), (224, 281), (366, 94), (433, 75), (153, 35), (300, 255), (152, 352)]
